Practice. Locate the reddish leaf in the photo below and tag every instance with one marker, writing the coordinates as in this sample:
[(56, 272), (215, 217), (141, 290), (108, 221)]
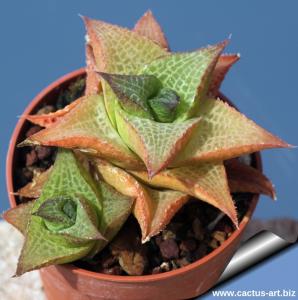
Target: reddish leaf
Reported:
[(19, 216), (153, 209), (87, 128), (207, 182), (34, 188), (92, 79), (46, 120), (222, 67), (224, 133), (147, 26), (244, 178)]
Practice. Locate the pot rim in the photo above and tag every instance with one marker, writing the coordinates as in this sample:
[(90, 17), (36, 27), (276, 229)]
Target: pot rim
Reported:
[(115, 278)]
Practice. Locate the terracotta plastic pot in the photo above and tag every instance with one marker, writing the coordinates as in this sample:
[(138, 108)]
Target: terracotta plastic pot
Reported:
[(69, 282)]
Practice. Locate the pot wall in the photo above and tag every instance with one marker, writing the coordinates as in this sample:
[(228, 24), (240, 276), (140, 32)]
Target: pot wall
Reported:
[(69, 282)]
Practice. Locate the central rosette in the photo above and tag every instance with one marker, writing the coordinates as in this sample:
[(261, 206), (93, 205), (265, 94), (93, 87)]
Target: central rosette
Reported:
[(144, 96)]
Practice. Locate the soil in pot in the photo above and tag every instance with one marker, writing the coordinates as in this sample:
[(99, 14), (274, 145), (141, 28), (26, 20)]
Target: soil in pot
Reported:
[(180, 244)]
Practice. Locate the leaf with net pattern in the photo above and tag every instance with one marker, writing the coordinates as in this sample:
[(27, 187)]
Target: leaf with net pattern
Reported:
[(116, 209), (224, 133), (207, 182), (153, 209), (33, 189), (43, 245), (187, 74), (225, 62), (119, 51), (87, 128), (93, 84), (19, 216), (156, 143), (148, 27)]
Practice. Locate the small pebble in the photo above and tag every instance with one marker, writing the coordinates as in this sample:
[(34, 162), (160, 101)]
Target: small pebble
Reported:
[(116, 270), (182, 262), (214, 243), (201, 251), (43, 152), (198, 229), (220, 236), (165, 266), (168, 234), (31, 158), (188, 245), (46, 110), (109, 261), (169, 249)]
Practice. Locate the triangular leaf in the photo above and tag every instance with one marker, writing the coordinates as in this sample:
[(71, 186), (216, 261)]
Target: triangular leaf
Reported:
[(224, 133), (223, 65), (133, 91), (46, 120), (187, 74), (166, 203), (87, 128), (207, 182), (148, 27), (43, 245), (70, 216), (19, 216), (93, 85), (129, 186), (118, 51), (43, 248), (34, 188), (156, 143), (116, 209), (153, 209), (246, 179)]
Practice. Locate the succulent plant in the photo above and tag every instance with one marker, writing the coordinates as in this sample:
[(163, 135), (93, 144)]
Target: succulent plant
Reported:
[(151, 131)]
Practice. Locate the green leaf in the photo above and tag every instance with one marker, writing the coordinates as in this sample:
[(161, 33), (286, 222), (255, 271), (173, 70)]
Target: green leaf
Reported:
[(224, 133), (119, 51), (133, 91), (62, 211), (87, 128), (156, 143), (164, 105), (44, 244), (207, 182), (43, 248), (187, 74), (19, 216), (116, 209), (152, 208), (72, 216)]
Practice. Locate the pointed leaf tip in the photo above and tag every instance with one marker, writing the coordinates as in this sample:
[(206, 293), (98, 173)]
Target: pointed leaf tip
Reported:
[(224, 133), (148, 27), (243, 178), (207, 182), (225, 62), (87, 127), (187, 74), (156, 143)]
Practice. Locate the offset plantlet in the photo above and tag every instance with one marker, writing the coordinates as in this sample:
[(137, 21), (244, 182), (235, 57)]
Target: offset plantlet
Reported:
[(155, 131)]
